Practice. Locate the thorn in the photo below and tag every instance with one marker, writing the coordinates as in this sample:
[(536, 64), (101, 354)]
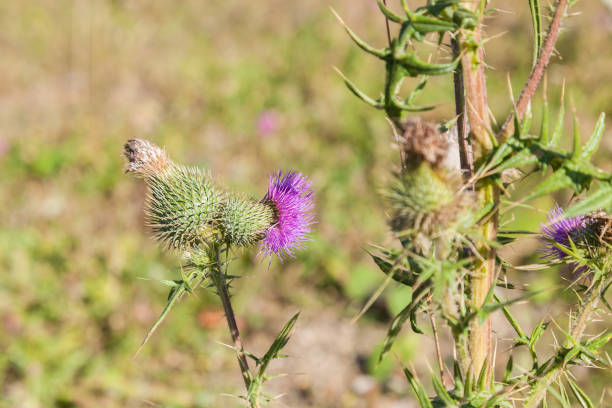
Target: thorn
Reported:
[(360, 43), (358, 92)]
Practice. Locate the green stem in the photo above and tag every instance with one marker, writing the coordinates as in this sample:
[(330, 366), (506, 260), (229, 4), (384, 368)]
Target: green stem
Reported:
[(218, 278), (541, 385)]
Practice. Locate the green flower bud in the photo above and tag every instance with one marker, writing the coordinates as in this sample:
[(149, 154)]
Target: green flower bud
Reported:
[(183, 202), (420, 190), (182, 207), (426, 206), (244, 222)]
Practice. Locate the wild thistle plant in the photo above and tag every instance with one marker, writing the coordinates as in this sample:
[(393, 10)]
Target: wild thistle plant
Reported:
[(446, 220), (187, 211)]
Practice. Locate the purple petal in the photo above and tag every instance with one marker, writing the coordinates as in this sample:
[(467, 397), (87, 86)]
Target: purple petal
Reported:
[(292, 198), (559, 230)]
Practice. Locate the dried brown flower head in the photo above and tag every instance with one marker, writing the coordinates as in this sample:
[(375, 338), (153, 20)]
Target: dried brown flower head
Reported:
[(145, 158), (601, 223), (422, 141)]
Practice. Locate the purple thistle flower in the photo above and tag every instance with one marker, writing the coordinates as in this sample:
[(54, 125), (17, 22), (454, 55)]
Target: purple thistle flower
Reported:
[(560, 230), (292, 198)]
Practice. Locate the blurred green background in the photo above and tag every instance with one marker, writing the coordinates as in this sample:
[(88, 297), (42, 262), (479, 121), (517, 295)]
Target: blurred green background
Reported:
[(243, 89)]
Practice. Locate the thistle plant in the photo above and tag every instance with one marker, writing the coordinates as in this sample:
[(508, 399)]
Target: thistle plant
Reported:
[(187, 211), (446, 218)]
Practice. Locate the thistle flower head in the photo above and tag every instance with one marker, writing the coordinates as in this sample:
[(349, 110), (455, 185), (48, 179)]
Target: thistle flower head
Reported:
[(291, 198), (561, 230)]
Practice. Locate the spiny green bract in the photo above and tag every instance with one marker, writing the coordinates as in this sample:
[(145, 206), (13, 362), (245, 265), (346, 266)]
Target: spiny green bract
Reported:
[(426, 206), (420, 190), (182, 206), (244, 222)]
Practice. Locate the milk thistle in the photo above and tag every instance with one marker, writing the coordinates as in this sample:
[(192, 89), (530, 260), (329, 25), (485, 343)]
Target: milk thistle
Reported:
[(187, 211)]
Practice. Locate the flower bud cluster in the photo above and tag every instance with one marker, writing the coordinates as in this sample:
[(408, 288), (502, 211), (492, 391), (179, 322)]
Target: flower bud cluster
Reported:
[(186, 208)]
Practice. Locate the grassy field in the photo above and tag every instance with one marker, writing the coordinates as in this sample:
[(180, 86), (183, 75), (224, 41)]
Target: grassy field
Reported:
[(243, 89)]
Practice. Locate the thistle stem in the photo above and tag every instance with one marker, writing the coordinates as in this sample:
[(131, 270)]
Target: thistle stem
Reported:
[(537, 71), (477, 112), (218, 277), (465, 156), (434, 329), (538, 390)]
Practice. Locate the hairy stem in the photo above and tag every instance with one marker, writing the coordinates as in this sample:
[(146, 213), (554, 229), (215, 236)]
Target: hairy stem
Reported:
[(537, 71), (539, 388), (480, 341), (218, 277), (477, 108)]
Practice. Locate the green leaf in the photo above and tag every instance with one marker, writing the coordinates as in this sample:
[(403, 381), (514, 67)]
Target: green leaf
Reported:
[(173, 296), (380, 53), (564, 397), (561, 396), (416, 67), (508, 372), (405, 7), (417, 90), (522, 158), (536, 21), (277, 345), (512, 145), (413, 322), (571, 354), (389, 13), (487, 309), (558, 131), (602, 296), (407, 107), (358, 92), (425, 24), (580, 395), (557, 181), (273, 352), (457, 378), (602, 198), (591, 146), (398, 321), (577, 151), (596, 344), (526, 124), (171, 283), (442, 393), (537, 333), (482, 376), (388, 260), (513, 322), (418, 389)]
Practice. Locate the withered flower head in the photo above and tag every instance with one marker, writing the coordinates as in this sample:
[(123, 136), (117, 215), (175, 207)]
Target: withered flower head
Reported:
[(145, 159), (600, 223), (422, 141)]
